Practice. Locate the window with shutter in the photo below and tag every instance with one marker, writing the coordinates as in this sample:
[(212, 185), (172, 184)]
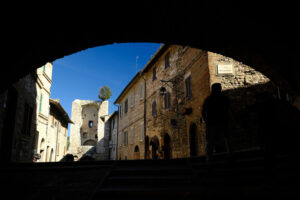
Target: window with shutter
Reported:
[(154, 74), (41, 100), (126, 105), (120, 111), (141, 132), (131, 136), (167, 100), (132, 99), (142, 91), (188, 87), (154, 109)]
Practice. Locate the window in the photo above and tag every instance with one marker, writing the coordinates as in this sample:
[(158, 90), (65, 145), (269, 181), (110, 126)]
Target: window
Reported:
[(44, 68), (126, 105), (84, 135), (96, 136), (28, 111), (91, 123), (41, 100), (131, 135), (154, 74), (167, 100), (188, 88), (167, 61), (154, 109), (141, 131), (142, 91), (132, 99)]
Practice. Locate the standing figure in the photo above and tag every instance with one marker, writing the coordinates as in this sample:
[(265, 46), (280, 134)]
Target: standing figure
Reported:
[(215, 113)]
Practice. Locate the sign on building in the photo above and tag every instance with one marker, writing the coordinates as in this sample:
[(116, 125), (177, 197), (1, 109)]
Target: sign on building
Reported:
[(224, 68)]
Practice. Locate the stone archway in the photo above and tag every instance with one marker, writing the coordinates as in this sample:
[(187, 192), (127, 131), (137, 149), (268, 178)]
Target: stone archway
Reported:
[(42, 149), (154, 143), (136, 155)]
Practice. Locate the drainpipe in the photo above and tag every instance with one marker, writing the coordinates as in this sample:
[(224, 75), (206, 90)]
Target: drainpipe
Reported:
[(117, 139), (145, 112)]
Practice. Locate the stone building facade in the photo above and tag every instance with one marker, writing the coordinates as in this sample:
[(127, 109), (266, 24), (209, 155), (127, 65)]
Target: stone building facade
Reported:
[(17, 123), (56, 139), (112, 129), (87, 134), (131, 129), (24, 112), (176, 81), (43, 88)]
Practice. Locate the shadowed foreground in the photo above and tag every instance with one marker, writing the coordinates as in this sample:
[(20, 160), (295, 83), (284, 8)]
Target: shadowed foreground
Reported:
[(246, 178)]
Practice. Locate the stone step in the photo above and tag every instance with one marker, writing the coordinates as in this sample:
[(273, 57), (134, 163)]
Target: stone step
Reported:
[(148, 180), (182, 191), (136, 171)]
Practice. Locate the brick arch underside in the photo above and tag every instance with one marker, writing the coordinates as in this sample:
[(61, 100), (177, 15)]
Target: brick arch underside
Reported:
[(263, 41)]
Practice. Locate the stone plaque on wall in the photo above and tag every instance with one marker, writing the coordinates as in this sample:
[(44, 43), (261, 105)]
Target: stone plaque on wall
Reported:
[(224, 68)]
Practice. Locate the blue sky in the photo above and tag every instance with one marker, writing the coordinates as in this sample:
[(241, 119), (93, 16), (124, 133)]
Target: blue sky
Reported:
[(80, 75)]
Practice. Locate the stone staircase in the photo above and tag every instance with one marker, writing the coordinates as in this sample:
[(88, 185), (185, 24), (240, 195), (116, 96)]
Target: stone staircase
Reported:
[(247, 177)]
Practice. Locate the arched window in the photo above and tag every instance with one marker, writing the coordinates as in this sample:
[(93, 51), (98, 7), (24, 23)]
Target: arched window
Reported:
[(136, 149), (91, 123)]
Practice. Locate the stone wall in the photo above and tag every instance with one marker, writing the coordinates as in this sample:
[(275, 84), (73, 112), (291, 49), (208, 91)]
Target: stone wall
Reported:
[(84, 136), (17, 134), (132, 121)]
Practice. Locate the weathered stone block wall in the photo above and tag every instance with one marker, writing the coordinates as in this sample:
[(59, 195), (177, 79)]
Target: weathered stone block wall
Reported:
[(242, 87), (184, 62)]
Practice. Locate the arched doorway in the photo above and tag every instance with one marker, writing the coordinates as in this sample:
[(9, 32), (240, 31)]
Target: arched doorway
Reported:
[(167, 146), (147, 147), (155, 144), (42, 149), (136, 155), (51, 155), (193, 139)]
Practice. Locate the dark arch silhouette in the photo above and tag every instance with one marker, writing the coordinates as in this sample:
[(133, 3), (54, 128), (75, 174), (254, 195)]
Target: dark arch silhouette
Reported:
[(252, 47), (193, 139), (155, 145), (90, 143), (136, 149)]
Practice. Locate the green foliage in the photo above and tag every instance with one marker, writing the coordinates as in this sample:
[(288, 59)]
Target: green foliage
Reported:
[(104, 93)]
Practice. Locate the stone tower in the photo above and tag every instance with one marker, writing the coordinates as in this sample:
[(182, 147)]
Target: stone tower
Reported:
[(87, 134)]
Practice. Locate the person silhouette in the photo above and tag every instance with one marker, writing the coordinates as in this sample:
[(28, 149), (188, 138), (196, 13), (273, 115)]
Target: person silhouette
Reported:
[(215, 113)]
